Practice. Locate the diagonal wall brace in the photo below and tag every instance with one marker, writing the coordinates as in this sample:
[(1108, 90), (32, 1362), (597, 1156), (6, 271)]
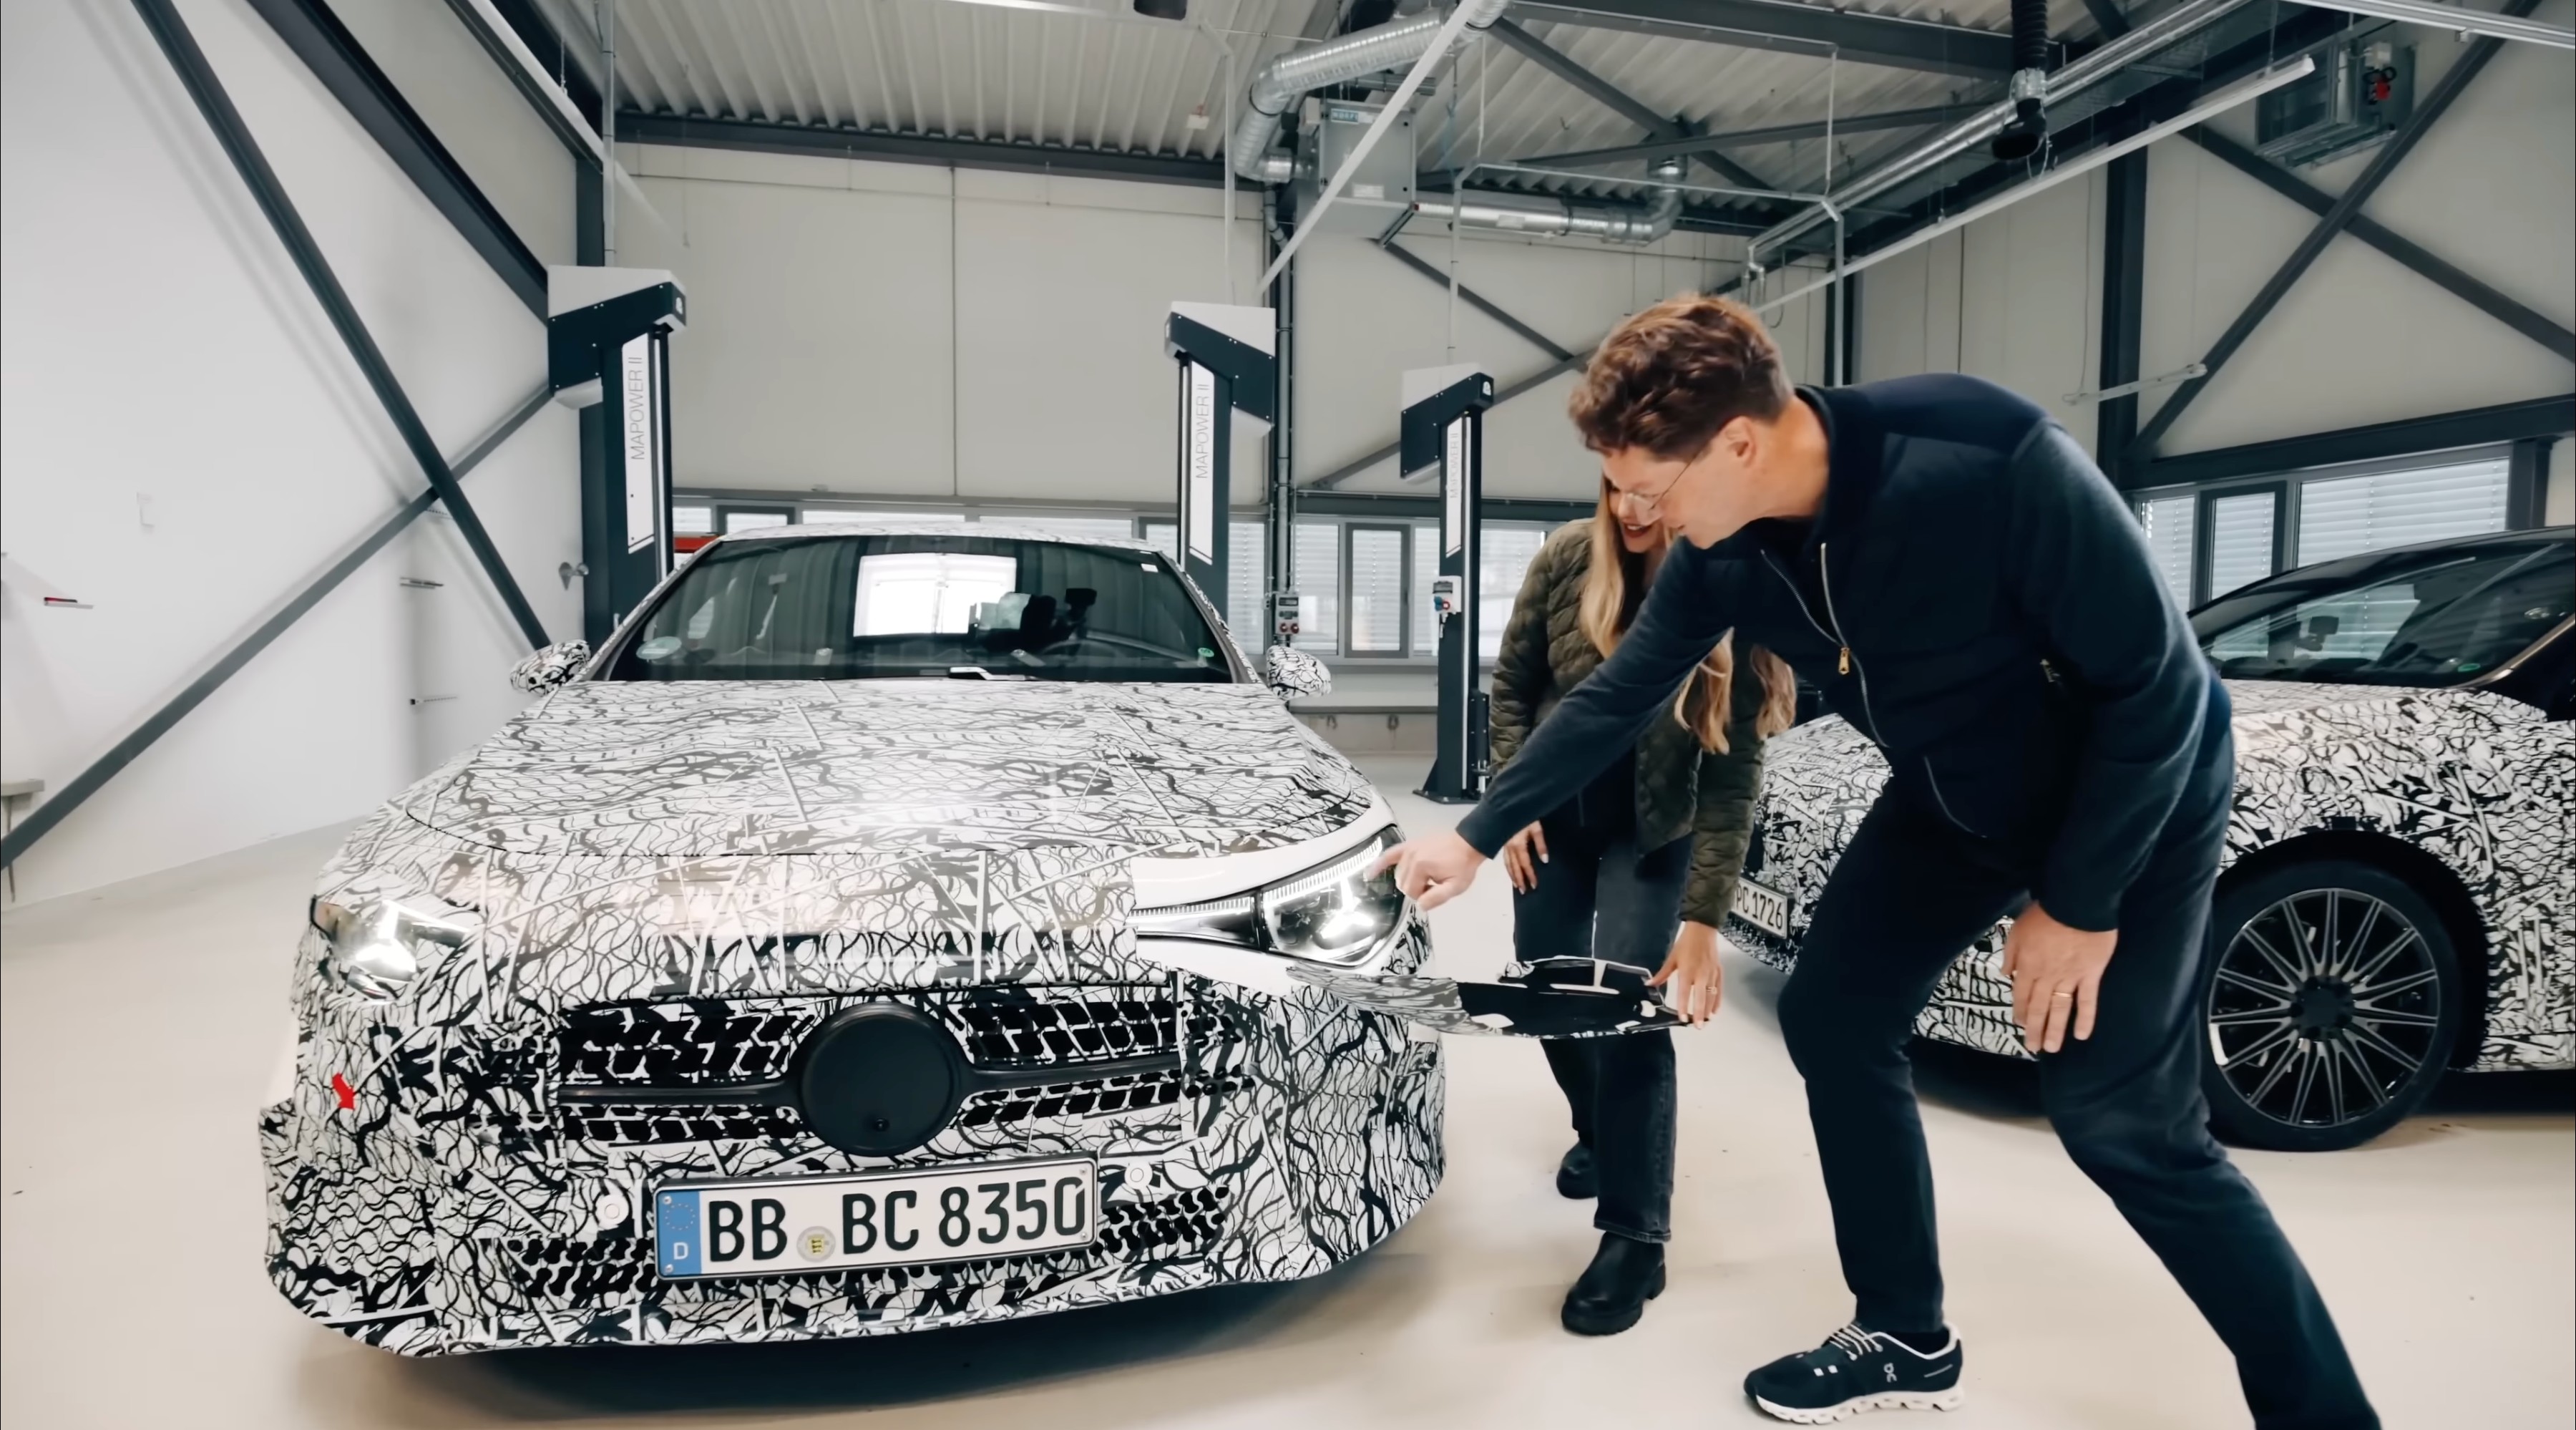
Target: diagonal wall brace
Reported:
[(198, 76)]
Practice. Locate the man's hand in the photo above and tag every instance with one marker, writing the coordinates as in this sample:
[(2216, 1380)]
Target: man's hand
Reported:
[(1692, 969), (1431, 870), (1516, 857), (2056, 975)]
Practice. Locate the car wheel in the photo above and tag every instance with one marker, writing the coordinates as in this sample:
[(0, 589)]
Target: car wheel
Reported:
[(2333, 997)]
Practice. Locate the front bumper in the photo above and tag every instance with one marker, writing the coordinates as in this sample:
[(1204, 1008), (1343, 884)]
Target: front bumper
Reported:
[(437, 1200)]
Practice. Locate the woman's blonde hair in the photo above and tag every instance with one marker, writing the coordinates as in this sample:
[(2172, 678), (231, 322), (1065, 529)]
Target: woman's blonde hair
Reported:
[(1615, 586)]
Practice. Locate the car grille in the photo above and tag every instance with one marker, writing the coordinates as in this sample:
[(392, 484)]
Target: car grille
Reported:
[(701, 1040), (638, 1125), (715, 1041), (1097, 1097)]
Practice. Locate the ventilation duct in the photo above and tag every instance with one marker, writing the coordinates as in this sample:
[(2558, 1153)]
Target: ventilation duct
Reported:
[(1396, 45), (1548, 217), (2020, 136), (1280, 83), (2148, 39)]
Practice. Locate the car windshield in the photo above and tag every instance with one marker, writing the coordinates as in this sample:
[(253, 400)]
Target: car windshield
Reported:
[(2414, 618), (849, 607)]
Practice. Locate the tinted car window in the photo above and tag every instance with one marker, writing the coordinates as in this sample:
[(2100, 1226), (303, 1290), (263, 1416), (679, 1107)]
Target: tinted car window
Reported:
[(856, 607), (2436, 618)]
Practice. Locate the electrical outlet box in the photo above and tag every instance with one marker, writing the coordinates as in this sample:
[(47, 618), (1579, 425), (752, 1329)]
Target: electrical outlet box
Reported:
[(2361, 92)]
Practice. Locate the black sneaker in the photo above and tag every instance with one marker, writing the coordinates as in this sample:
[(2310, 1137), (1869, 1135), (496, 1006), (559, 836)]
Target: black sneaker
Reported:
[(1856, 1369), (1578, 1178)]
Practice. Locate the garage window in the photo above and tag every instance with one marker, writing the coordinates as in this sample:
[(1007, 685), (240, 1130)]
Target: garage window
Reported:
[(2209, 540)]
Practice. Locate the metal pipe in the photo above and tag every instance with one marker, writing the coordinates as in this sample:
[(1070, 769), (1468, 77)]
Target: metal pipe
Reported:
[(1549, 217), (2458, 18), (2224, 100), (1285, 80), (2083, 74)]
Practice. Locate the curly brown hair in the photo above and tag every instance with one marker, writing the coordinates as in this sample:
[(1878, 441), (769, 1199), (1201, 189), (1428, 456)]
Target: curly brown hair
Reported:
[(1668, 378)]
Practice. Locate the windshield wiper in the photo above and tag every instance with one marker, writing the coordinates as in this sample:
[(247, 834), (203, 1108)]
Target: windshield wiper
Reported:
[(977, 672)]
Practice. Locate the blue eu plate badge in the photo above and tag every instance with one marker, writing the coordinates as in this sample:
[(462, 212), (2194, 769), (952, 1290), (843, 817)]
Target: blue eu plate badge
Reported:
[(676, 1229)]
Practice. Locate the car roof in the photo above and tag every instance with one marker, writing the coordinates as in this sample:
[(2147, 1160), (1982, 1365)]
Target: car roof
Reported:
[(2362, 563), (990, 530)]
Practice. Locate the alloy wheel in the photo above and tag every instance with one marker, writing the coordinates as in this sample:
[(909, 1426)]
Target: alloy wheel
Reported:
[(2325, 1006)]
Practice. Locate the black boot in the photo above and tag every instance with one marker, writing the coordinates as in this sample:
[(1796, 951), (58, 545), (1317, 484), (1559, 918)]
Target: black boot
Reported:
[(1578, 1177), (1613, 1291)]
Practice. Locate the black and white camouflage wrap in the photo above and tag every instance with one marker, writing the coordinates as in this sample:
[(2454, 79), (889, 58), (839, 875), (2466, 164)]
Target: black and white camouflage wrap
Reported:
[(2484, 783), (767, 853)]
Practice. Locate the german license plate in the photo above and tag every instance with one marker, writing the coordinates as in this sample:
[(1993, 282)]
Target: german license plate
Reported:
[(757, 1227), (1765, 908)]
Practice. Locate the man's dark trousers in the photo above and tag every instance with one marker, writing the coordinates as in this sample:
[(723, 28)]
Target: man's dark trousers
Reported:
[(1904, 899)]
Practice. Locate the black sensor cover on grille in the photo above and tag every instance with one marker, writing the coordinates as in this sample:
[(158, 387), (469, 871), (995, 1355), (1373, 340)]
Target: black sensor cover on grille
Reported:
[(879, 1078)]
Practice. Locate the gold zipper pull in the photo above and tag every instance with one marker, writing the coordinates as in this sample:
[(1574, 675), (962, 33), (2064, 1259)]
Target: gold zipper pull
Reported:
[(1845, 667)]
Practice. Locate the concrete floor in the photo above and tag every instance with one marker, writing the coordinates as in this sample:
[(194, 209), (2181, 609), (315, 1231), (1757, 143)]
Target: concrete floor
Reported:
[(141, 1021)]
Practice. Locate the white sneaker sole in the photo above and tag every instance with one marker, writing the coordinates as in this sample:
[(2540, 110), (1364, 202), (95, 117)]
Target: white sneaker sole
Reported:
[(1950, 1399)]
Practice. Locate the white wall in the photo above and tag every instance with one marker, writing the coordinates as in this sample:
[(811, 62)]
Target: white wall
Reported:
[(2359, 339), (188, 444), (891, 329), (898, 329), (2015, 298), (1363, 318)]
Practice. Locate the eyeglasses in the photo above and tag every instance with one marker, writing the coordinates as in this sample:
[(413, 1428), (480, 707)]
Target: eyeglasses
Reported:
[(1645, 505)]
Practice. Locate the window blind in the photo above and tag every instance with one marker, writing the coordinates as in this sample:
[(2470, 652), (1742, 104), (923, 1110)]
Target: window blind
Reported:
[(1376, 591), (2344, 516), (2168, 521), (1426, 565), (1509, 548), (1319, 583), (2240, 540)]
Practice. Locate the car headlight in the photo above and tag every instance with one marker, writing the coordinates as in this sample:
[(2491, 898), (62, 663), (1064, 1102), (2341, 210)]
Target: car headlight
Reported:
[(378, 947), (1332, 913)]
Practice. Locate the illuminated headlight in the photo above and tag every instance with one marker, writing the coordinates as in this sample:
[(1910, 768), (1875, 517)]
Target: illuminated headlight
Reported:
[(378, 947), (1332, 913)]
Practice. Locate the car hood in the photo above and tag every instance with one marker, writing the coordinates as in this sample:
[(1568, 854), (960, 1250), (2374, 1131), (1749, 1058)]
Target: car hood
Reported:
[(1824, 774), (629, 771)]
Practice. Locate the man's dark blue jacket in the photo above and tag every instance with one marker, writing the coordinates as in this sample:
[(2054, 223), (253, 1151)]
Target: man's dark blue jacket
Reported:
[(1976, 599)]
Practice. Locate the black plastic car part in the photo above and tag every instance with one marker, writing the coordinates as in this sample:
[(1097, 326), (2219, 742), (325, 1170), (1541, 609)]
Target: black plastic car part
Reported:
[(876, 1078)]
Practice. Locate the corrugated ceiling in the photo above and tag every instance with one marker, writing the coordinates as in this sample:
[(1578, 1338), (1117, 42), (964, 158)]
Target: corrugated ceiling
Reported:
[(982, 71)]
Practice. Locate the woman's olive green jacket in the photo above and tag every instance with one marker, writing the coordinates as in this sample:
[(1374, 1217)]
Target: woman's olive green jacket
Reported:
[(1681, 788)]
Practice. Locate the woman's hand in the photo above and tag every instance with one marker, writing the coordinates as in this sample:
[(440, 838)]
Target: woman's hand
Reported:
[(1698, 983), (1516, 857)]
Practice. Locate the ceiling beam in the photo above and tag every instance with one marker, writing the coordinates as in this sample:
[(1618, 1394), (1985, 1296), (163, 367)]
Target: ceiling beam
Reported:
[(343, 66), (1619, 101), (636, 127), (1696, 144), (2540, 417), (2428, 112), (1799, 28), (1568, 69), (2522, 319)]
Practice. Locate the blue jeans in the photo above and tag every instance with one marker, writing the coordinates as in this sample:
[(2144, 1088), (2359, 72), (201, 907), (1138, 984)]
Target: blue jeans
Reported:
[(1601, 898)]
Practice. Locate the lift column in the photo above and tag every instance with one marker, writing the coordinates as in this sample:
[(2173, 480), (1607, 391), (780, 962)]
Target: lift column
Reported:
[(1444, 425), (608, 347), (1224, 356)]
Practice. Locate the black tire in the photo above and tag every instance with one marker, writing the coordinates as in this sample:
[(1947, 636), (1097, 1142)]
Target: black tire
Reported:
[(2327, 1021)]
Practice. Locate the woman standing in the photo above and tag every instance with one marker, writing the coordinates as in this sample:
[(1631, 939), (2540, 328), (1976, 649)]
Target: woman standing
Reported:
[(1637, 869)]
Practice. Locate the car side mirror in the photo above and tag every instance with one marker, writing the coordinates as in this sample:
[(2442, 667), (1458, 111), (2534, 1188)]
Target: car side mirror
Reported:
[(1292, 673), (550, 666)]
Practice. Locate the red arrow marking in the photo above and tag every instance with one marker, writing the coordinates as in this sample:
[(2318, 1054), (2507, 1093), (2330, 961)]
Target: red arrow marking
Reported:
[(348, 1095)]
